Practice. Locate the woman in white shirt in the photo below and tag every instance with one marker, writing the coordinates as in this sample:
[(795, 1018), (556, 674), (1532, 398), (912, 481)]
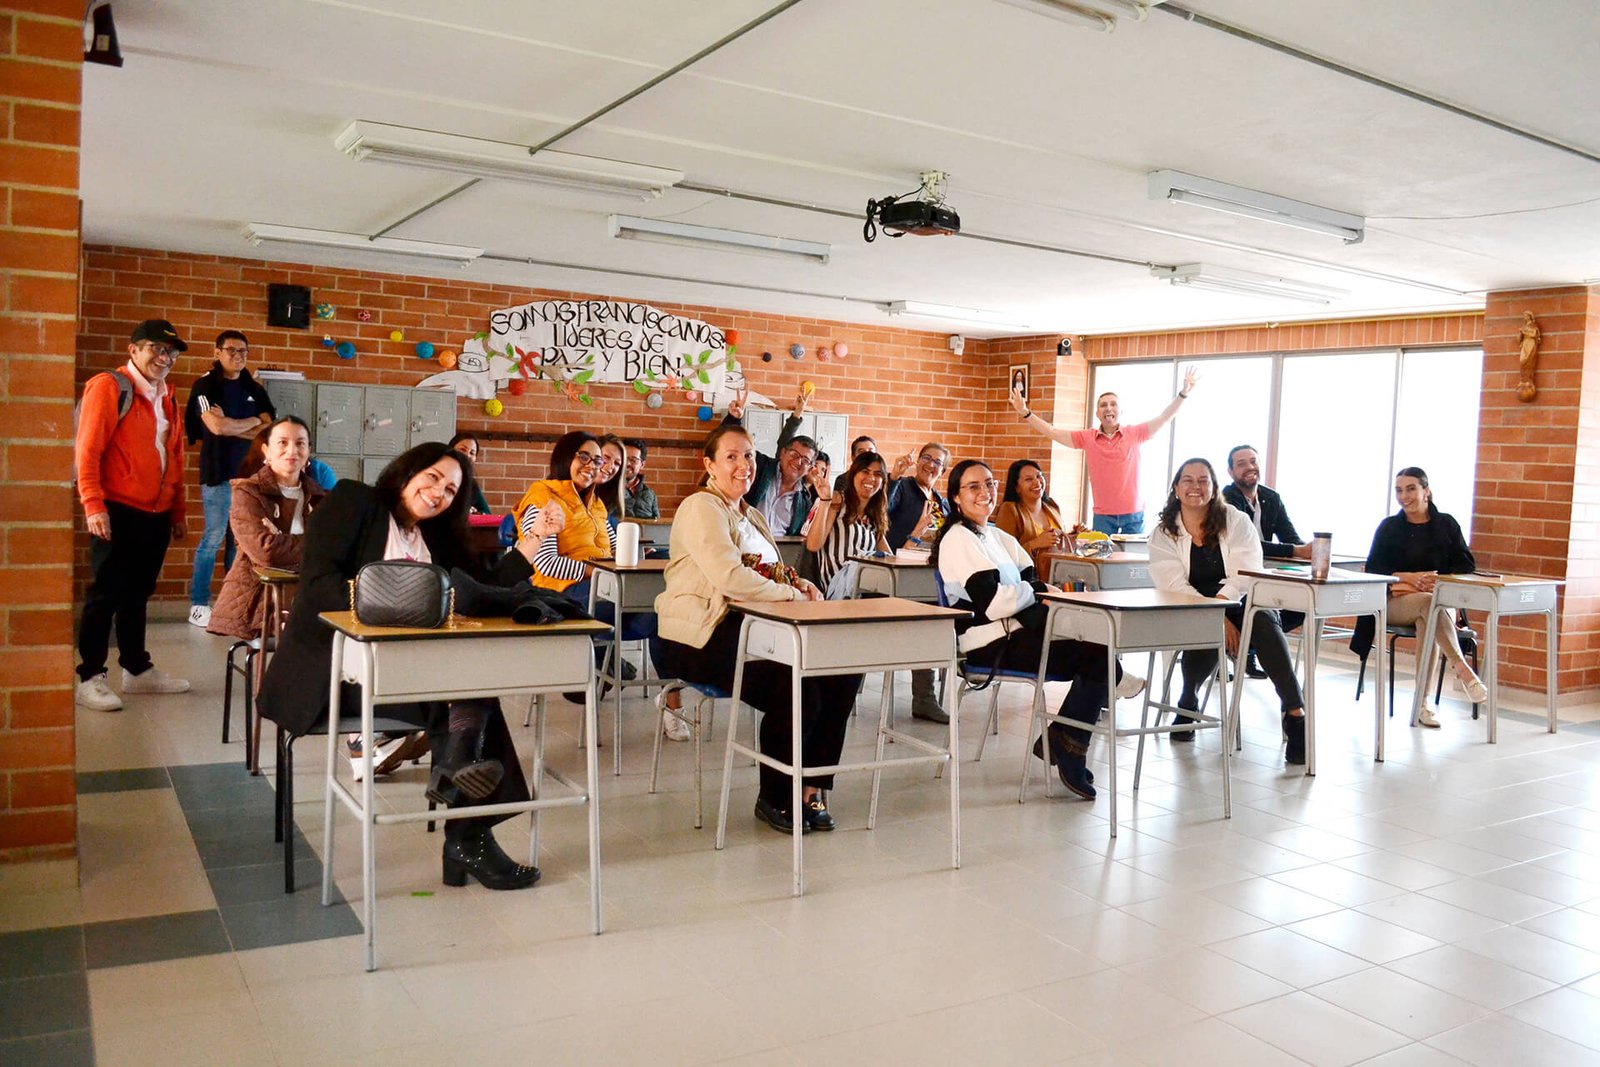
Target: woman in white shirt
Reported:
[(1199, 545), (848, 522), (984, 570)]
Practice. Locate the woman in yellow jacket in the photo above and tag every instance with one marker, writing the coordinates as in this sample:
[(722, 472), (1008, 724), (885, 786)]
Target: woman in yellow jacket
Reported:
[(562, 562)]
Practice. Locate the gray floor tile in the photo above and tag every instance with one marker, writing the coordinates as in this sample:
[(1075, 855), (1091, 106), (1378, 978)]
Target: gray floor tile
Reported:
[(206, 785), (289, 920), (257, 849), (260, 882), (75, 1048), (33, 953), (157, 937), (30, 1007), (124, 780)]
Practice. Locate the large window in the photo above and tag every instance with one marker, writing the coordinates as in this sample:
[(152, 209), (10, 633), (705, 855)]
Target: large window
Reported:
[(1331, 429)]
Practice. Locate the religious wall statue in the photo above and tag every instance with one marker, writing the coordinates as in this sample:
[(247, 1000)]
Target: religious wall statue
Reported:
[(1528, 357)]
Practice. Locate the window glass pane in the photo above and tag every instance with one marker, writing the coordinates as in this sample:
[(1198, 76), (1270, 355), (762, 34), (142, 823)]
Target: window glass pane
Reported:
[(1231, 405), (1143, 390), (1334, 445), (1438, 425)]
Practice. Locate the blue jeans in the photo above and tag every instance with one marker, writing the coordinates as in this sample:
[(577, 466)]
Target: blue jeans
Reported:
[(1131, 523), (215, 500)]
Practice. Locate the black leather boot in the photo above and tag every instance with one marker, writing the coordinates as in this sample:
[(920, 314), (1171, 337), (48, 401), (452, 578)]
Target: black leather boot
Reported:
[(1058, 750), (1294, 730), (478, 854), (1073, 769), (462, 773)]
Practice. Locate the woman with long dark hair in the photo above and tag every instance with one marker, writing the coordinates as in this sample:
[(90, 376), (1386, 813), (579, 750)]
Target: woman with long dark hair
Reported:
[(1416, 545), (851, 522), (984, 570), (1027, 513), (570, 496), (1199, 545), (416, 511), (608, 482), (468, 445)]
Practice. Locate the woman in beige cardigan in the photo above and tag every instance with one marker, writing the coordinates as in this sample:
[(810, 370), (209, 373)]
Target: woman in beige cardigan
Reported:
[(713, 532)]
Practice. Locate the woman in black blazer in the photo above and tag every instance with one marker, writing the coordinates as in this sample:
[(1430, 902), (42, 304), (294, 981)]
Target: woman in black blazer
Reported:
[(417, 510), (1416, 546)]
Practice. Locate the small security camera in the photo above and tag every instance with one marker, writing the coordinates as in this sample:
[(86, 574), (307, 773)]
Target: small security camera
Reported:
[(958, 344), (1064, 347)]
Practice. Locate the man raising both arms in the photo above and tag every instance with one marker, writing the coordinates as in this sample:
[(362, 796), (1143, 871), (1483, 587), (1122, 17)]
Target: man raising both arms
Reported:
[(1111, 452)]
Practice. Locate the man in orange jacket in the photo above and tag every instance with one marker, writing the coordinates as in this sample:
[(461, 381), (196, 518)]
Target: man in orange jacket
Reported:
[(129, 456)]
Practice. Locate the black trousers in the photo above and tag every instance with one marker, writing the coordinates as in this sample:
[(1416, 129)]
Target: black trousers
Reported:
[(1082, 662), (1267, 640), (824, 712), (123, 576)]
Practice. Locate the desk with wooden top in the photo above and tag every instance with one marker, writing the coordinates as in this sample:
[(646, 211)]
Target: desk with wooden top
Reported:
[(278, 585), (911, 579), (823, 637), (1341, 593), (1132, 544), (1497, 596), (1135, 620), (1119, 570), (466, 658), (630, 590)]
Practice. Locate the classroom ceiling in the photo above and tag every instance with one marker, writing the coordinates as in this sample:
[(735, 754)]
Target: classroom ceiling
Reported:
[(226, 113)]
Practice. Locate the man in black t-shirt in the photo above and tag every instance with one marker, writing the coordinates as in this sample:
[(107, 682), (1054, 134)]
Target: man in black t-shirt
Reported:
[(226, 409)]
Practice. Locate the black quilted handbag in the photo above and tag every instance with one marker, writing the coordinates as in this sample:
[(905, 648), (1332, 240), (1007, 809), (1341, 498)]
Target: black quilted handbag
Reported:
[(401, 593)]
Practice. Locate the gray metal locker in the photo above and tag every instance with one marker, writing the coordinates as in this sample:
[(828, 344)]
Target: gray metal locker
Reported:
[(294, 398), (346, 467), (338, 422), (764, 425), (386, 420), (433, 415), (372, 466), (833, 437)]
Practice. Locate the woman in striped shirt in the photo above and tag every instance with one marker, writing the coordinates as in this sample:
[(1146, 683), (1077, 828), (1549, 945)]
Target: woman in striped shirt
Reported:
[(562, 561), (848, 522)]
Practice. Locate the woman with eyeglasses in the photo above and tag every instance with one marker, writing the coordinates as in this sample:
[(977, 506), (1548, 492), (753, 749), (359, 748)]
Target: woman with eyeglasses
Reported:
[(984, 570), (1027, 513), (915, 511), (563, 562), (848, 523), (1199, 546)]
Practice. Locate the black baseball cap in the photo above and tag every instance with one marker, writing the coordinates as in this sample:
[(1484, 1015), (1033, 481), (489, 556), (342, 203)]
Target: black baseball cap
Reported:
[(160, 331)]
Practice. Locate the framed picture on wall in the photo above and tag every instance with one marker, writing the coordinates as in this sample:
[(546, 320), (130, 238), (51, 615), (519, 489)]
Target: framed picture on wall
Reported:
[(1018, 380)]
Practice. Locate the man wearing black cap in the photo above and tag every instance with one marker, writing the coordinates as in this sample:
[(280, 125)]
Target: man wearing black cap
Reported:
[(129, 458)]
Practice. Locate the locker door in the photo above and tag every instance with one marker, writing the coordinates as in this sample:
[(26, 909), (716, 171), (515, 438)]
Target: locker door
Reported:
[(346, 467), (338, 419), (371, 467), (386, 421), (833, 437), (764, 425), (294, 398), (433, 415)]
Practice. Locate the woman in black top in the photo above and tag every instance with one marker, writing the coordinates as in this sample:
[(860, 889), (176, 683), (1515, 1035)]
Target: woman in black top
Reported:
[(1416, 546)]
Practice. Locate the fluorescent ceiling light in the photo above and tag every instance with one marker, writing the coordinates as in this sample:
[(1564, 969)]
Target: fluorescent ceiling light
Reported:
[(1061, 11), (979, 316), (258, 232), (1220, 196), (688, 235), (502, 161), (1245, 283)]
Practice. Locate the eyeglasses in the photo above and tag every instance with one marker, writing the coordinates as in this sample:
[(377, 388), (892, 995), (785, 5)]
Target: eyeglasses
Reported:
[(588, 459), (801, 458), (241, 352), (991, 485), (161, 351), (931, 461)]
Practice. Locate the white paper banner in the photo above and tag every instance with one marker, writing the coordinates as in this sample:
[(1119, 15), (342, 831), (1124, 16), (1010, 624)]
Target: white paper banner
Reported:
[(588, 341)]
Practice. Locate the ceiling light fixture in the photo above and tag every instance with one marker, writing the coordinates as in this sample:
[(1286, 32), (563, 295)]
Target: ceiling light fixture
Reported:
[(502, 161), (257, 232), (1061, 11), (1245, 283), (1180, 188), (688, 235), (951, 313)]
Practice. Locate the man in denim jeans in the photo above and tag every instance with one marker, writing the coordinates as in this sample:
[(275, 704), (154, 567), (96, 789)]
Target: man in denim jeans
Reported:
[(1111, 454), (226, 408)]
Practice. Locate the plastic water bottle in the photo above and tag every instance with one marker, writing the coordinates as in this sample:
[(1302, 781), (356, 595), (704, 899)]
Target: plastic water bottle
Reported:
[(1321, 555)]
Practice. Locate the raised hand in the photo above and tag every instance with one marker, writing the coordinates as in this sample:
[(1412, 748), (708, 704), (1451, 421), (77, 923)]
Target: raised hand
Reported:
[(903, 464), (736, 405), (1191, 374), (1019, 403), (802, 400)]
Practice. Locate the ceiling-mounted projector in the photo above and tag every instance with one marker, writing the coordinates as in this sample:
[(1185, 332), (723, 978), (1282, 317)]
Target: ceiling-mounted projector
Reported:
[(922, 213)]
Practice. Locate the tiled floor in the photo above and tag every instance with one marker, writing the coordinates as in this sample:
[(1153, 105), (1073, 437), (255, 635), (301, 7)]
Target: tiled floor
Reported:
[(1443, 907)]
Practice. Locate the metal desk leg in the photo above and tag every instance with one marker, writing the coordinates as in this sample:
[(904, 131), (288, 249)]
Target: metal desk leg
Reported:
[(796, 766), (1493, 635), (1381, 697), (733, 726), (591, 759), (327, 781), (1313, 626), (536, 708), (1550, 667), (883, 727), (369, 844), (1111, 710)]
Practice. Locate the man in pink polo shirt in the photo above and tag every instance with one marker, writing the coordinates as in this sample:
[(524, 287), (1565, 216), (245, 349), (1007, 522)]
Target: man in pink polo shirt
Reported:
[(1111, 452)]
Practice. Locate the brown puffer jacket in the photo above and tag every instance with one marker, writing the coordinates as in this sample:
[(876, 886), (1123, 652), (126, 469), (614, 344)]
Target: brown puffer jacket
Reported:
[(237, 612)]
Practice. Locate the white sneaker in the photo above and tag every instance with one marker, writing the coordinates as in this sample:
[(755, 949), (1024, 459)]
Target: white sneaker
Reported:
[(1130, 686), (200, 616), (1427, 719), (675, 728), (153, 680), (383, 747), (96, 694)]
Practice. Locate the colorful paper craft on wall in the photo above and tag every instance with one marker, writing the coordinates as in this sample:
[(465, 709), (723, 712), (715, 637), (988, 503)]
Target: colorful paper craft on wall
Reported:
[(323, 311), (346, 350), (424, 349)]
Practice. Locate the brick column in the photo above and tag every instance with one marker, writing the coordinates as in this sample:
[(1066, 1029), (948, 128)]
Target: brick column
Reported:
[(41, 53), (1057, 387), (1538, 489)]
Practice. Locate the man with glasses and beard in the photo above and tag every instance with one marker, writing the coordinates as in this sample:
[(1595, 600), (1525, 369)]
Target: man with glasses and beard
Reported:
[(783, 489)]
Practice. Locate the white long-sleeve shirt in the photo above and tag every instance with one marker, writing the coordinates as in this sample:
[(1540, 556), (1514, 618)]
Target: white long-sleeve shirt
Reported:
[(1241, 550)]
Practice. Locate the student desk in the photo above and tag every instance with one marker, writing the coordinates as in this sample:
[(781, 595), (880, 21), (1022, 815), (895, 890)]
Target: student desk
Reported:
[(1497, 596), (892, 576), (630, 590), (1135, 620), (464, 659), (823, 637), (790, 549), (278, 585), (1119, 570), (1133, 544), (1341, 593)]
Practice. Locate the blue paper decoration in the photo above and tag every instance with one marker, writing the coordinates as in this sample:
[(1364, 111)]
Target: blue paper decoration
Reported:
[(346, 350), (424, 349)]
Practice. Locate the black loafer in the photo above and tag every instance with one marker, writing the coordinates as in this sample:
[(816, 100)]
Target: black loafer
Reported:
[(1294, 733), (817, 815), (1038, 751), (1181, 736), (1072, 771), (777, 818), (1252, 667)]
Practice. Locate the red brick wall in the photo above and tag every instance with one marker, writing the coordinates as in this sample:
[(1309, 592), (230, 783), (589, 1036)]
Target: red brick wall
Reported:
[(903, 387), (41, 51)]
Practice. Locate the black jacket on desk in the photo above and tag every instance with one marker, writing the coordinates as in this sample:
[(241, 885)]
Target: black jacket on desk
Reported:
[(349, 530), (1447, 554), (767, 469), (1274, 520)]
